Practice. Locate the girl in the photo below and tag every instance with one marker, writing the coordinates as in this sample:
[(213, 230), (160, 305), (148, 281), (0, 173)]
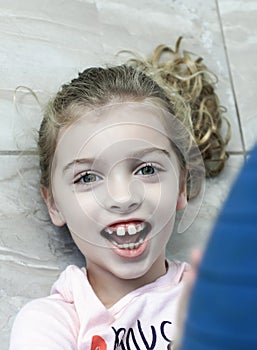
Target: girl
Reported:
[(118, 158)]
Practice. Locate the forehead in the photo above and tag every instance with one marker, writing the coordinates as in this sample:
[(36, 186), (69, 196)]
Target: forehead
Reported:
[(121, 128)]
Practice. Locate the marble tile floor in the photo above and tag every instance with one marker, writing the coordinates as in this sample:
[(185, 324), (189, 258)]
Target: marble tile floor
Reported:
[(44, 44)]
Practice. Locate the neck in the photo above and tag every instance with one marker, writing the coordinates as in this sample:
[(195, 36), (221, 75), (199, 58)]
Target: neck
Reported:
[(110, 288)]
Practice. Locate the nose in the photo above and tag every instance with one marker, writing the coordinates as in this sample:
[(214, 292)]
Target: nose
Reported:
[(124, 207), (123, 195)]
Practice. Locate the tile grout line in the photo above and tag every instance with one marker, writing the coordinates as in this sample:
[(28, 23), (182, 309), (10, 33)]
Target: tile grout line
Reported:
[(18, 153), (238, 153), (231, 79)]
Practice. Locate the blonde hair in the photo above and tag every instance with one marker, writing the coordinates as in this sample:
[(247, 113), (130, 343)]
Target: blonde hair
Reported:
[(190, 82), (179, 85)]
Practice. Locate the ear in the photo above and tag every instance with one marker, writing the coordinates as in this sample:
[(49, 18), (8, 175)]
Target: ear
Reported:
[(182, 196), (53, 211), (182, 200)]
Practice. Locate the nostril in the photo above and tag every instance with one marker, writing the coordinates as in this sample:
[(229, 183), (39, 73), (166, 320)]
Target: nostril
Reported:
[(124, 206), (133, 206), (115, 207)]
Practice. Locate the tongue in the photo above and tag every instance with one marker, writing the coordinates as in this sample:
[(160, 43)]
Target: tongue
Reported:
[(125, 239)]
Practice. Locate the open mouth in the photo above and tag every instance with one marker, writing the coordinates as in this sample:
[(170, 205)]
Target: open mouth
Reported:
[(127, 235)]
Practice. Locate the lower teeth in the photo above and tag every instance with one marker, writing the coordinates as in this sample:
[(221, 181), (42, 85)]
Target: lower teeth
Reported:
[(129, 245)]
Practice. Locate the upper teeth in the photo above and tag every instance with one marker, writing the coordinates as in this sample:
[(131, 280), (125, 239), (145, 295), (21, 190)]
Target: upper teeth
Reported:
[(121, 231), (131, 229), (108, 230)]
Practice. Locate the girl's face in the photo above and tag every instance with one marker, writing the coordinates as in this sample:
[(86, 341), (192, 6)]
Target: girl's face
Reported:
[(115, 183)]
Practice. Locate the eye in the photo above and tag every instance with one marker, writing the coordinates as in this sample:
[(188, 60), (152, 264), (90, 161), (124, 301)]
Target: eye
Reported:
[(147, 169), (87, 178)]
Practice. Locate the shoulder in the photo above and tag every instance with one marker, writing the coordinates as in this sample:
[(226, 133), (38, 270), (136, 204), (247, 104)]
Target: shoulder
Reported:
[(72, 278), (47, 323), (50, 307), (51, 322)]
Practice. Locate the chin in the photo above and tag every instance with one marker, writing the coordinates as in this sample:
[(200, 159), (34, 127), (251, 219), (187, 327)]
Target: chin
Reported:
[(134, 271)]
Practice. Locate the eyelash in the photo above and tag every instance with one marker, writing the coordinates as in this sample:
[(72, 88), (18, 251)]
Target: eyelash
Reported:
[(96, 178), (148, 166), (83, 175)]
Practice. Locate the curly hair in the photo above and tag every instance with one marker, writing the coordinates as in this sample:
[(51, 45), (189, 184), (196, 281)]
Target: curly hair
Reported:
[(180, 75)]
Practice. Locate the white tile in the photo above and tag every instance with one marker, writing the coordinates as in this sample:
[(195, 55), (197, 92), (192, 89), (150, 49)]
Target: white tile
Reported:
[(19, 120), (42, 48), (239, 20)]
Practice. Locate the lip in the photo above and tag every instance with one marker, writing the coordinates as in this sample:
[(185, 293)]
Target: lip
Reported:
[(125, 222), (131, 253)]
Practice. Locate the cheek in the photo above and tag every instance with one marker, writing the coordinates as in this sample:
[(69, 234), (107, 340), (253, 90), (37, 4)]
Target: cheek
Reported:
[(74, 204), (163, 201), (85, 243), (163, 195)]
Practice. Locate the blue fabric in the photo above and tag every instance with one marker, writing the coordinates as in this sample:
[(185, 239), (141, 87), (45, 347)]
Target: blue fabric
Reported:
[(222, 311)]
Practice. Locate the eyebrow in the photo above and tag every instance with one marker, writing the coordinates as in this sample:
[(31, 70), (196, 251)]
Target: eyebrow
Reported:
[(75, 162), (137, 154), (145, 151)]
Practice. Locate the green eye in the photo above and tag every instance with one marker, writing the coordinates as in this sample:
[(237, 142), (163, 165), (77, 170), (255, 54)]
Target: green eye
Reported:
[(88, 178), (146, 170)]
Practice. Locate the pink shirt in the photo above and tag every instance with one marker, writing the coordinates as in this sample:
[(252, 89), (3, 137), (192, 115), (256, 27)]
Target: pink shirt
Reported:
[(73, 318)]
